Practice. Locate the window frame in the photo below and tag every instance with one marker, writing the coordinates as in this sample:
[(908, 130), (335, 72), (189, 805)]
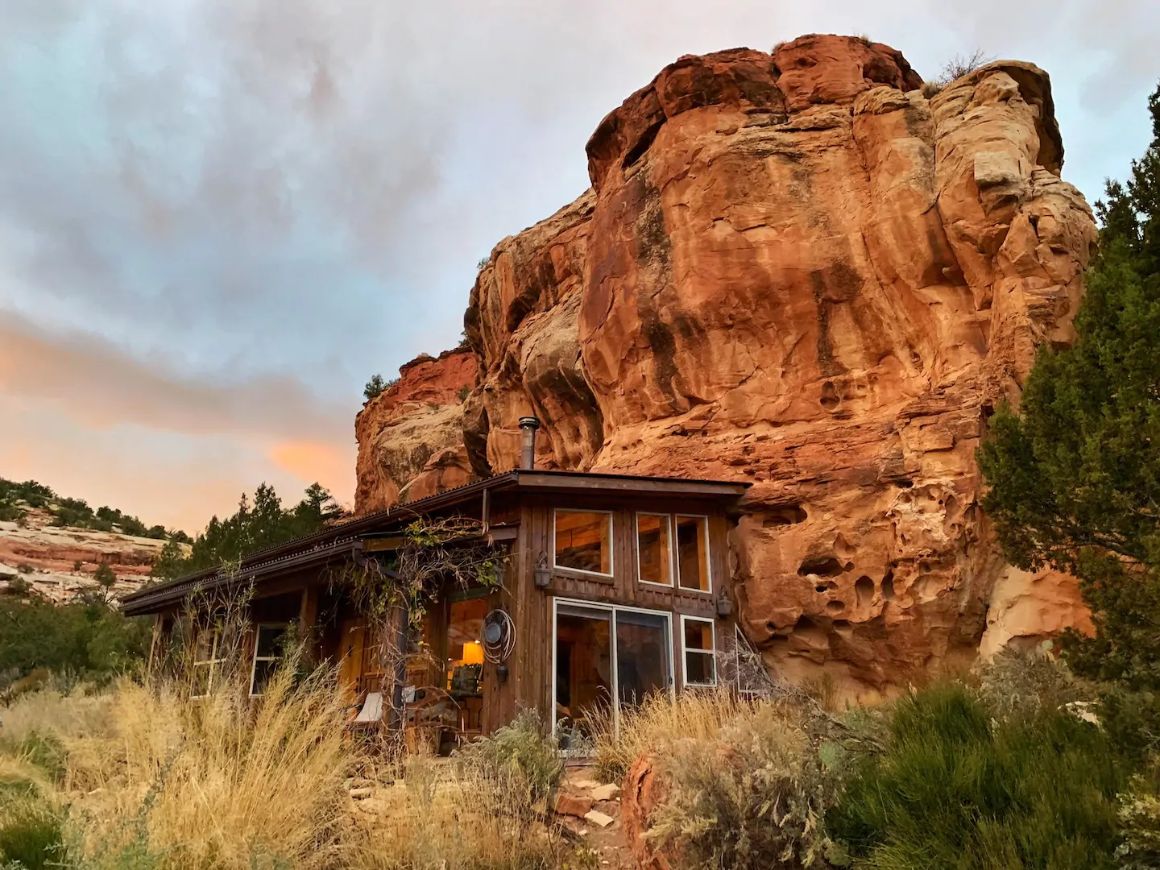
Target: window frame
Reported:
[(704, 524), (212, 664), (672, 549), (611, 543), (255, 658), (712, 652), (612, 610)]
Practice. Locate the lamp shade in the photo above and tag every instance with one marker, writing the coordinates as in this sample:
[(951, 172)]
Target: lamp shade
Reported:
[(473, 653)]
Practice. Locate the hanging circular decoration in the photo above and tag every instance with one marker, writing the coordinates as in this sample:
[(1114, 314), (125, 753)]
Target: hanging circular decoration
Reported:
[(498, 636)]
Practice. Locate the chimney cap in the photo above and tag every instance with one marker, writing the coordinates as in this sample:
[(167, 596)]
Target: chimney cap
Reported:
[(529, 422)]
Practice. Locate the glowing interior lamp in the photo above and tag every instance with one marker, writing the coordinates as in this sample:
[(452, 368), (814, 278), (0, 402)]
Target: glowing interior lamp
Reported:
[(473, 653)]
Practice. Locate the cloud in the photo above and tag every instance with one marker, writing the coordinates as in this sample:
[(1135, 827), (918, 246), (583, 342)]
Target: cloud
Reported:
[(218, 218), (101, 386), (312, 460)]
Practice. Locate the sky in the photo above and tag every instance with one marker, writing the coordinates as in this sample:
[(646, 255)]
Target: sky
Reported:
[(218, 218)]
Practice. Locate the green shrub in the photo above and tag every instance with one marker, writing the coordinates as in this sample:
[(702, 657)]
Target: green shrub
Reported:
[(30, 834), (1139, 848), (519, 763), (959, 789), (76, 641), (754, 796), (1015, 683)]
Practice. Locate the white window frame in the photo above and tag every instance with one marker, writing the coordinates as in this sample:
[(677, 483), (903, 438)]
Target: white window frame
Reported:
[(712, 652), (615, 663), (672, 549), (285, 626), (611, 542), (708, 555), (211, 664)]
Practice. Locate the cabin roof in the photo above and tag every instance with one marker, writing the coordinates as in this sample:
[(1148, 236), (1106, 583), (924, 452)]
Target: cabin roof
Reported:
[(344, 539)]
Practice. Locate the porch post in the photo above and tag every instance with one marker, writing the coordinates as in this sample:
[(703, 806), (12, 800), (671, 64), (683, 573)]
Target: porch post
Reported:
[(308, 622)]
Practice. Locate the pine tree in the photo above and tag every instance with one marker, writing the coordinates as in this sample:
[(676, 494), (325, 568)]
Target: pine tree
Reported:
[(1075, 475)]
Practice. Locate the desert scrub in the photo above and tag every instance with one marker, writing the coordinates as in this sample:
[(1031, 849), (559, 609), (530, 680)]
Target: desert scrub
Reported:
[(30, 832), (1014, 684), (657, 722), (486, 808), (754, 794), (957, 787), (448, 816), (517, 764)]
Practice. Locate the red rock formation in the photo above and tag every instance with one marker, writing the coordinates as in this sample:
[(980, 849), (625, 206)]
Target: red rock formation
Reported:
[(59, 562), (796, 269), (643, 792), (410, 436)]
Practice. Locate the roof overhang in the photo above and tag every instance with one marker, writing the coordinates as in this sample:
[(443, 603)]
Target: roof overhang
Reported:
[(346, 539)]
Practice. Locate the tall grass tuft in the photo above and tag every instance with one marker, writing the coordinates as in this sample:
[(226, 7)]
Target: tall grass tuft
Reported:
[(486, 808), (217, 781), (957, 788), (657, 722)]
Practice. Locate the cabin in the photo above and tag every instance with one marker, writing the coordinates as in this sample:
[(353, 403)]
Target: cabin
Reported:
[(608, 587)]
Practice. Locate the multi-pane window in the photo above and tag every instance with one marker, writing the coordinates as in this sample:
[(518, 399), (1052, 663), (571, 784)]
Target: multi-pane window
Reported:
[(583, 541), (693, 553), (699, 651), (671, 547), (654, 548), (207, 661), (269, 647)]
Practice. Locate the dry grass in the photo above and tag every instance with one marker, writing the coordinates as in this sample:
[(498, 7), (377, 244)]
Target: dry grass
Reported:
[(656, 724), (141, 775), (212, 782), (442, 815)]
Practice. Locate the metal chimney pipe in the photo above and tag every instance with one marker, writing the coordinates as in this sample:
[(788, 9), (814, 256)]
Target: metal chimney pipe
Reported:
[(528, 426)]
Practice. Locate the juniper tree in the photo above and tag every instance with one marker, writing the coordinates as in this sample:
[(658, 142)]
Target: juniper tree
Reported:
[(1075, 474)]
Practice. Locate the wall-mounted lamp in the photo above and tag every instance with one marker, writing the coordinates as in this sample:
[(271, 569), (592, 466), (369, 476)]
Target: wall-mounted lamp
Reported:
[(724, 606), (542, 576)]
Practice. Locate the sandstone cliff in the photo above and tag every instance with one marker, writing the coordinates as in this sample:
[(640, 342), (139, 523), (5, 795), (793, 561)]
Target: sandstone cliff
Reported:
[(58, 563), (793, 269)]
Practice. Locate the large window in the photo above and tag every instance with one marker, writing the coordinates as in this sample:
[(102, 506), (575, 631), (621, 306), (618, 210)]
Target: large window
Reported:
[(583, 541), (269, 648), (654, 548), (698, 651), (669, 547), (207, 661), (693, 553), (605, 659)]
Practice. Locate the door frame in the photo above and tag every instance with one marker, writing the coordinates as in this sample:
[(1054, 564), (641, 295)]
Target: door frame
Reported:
[(614, 667)]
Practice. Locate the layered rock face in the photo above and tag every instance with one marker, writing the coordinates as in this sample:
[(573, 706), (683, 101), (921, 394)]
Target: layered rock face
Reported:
[(58, 563), (797, 270), (410, 436)]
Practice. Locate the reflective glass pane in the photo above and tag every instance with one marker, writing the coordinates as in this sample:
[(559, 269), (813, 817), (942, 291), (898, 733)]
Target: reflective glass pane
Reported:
[(698, 634), (583, 670), (693, 552), (642, 655), (269, 643), (652, 539), (584, 541), (700, 668)]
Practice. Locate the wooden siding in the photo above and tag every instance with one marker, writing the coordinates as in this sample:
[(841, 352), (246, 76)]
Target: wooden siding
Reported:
[(529, 683)]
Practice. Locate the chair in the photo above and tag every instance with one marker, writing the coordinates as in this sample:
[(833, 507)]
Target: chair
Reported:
[(372, 710)]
